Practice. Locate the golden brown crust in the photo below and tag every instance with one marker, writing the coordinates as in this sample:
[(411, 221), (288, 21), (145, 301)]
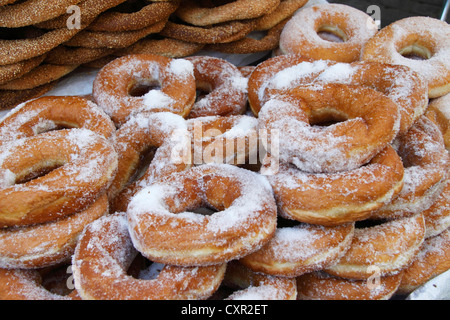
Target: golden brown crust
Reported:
[(438, 111), (112, 85), (101, 261), (18, 69), (11, 98), (90, 164), (246, 219)]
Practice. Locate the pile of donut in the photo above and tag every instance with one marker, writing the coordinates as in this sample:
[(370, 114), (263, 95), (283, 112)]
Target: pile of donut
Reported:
[(131, 193), (43, 41)]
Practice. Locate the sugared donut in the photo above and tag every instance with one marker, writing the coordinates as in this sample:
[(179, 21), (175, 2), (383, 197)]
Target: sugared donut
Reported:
[(337, 198), (438, 111), (437, 216), (278, 74), (425, 37), (81, 164), (222, 88), (51, 112), (163, 231), (352, 26), (49, 243), (389, 247), (432, 260), (104, 254), (299, 249), (250, 285), (426, 164), (20, 284), (139, 135), (116, 86), (218, 139), (367, 121), (322, 286)]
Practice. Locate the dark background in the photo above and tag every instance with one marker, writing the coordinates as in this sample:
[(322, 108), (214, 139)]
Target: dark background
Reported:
[(392, 10)]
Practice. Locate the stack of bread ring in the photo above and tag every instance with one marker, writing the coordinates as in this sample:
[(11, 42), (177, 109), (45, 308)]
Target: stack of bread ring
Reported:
[(188, 177), (42, 41)]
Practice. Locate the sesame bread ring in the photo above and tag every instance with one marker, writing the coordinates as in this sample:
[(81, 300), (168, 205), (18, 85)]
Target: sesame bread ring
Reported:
[(321, 286), (223, 86), (105, 252), (320, 199), (116, 40), (193, 12), (18, 69), (367, 121), (11, 98), (171, 48), (246, 219), (115, 20), (88, 10), (299, 249), (115, 81), (405, 87), (426, 164), (390, 247), (221, 33), (438, 111), (139, 135), (65, 55), (19, 284), (31, 12), (251, 44), (425, 37), (42, 74), (47, 244), (250, 285), (84, 164), (301, 34), (19, 49), (283, 11), (432, 260), (51, 112)]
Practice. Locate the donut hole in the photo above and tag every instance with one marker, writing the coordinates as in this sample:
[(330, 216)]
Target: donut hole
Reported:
[(331, 33), (202, 90), (142, 87), (144, 269), (145, 159), (416, 52), (326, 117), (37, 171)]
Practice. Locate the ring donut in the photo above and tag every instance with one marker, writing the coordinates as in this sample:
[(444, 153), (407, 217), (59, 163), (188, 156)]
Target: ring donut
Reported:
[(432, 260), (246, 219), (196, 14), (426, 163), (299, 249), (51, 112), (319, 198), (437, 216), (85, 164), (425, 37), (137, 136), (113, 83), (321, 286), (105, 252), (367, 122), (389, 247), (19, 284), (301, 35), (439, 112), (47, 244), (224, 87), (399, 83), (250, 285)]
